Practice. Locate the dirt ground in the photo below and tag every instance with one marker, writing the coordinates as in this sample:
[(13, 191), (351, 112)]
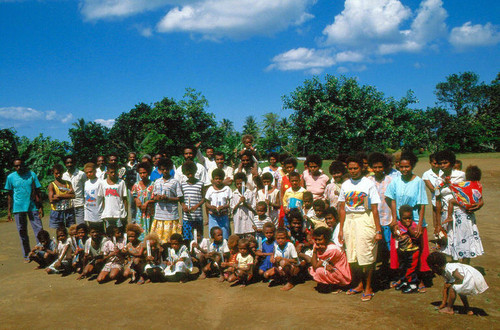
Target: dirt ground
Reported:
[(32, 299)]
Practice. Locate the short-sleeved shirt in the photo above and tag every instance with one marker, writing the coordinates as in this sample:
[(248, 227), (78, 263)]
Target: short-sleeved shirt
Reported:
[(167, 210), (355, 192), (332, 191), (192, 196), (77, 179), (22, 188), (260, 223), (294, 199), (384, 211), (288, 252), (244, 262), (214, 247), (243, 216), (93, 202), (433, 178), (113, 195), (411, 193), (219, 197), (228, 171), (201, 174), (316, 184)]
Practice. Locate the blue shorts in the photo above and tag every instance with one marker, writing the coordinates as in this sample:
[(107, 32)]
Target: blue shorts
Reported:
[(64, 218), (188, 226)]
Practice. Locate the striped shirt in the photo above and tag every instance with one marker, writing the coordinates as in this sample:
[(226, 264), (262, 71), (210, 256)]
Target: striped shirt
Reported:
[(192, 196)]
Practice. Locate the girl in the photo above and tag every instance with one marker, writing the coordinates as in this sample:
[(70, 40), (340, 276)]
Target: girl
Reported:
[(217, 199), (43, 253), (60, 195), (260, 219), (463, 237), (409, 189), (244, 264), (271, 196), (179, 264), (243, 206), (359, 227), (192, 216), (142, 192), (332, 221), (135, 251), (273, 169), (460, 279), (93, 258), (329, 267), (63, 252), (267, 250), (79, 247), (153, 270), (217, 252), (114, 257), (337, 170), (315, 180), (285, 260), (229, 267)]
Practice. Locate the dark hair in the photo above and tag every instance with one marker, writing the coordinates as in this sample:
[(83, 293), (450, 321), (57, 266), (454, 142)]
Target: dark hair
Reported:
[(69, 157), (355, 159), (43, 235), (269, 225), (135, 228), (342, 158), (323, 231), (282, 230), (314, 159), (308, 194), (332, 211), (239, 176), (337, 166), (220, 153), (218, 173), (58, 167), (249, 154), (62, 229), (244, 242), (432, 157), (112, 167), (193, 148), (446, 155), (110, 230), (409, 156), (290, 160), (246, 137), (261, 203), (362, 155), (166, 162), (82, 226), (473, 173), (113, 155), (295, 213), (209, 148), (213, 229), (405, 208), (294, 175), (319, 202), (144, 165), (377, 157), (436, 259), (267, 176), (189, 167), (176, 237), (273, 154)]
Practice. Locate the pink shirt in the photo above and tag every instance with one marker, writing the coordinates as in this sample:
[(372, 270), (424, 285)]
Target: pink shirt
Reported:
[(316, 184)]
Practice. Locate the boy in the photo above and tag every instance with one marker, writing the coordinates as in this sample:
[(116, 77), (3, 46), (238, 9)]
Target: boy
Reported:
[(192, 216), (337, 170), (201, 173), (318, 220), (218, 199), (285, 260), (271, 196), (167, 192), (293, 197), (60, 196), (431, 178), (215, 253), (93, 202), (77, 179), (114, 192)]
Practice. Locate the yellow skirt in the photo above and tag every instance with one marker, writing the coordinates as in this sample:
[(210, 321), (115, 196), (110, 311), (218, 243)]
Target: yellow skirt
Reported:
[(359, 237), (165, 228)]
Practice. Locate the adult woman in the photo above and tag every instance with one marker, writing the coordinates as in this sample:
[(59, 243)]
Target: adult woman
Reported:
[(409, 189), (359, 226), (141, 192), (463, 237)]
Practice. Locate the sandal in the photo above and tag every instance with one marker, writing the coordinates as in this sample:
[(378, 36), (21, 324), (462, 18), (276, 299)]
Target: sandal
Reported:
[(422, 289), (352, 292), (367, 296)]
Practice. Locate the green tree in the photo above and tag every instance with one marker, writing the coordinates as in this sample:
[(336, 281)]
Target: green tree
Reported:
[(8, 151), (88, 139), (251, 127)]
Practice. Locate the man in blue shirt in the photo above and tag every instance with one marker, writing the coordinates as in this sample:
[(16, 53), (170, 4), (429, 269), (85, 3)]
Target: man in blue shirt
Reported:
[(24, 189)]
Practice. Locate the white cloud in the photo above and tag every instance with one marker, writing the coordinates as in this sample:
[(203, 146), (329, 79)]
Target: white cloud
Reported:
[(349, 56), (30, 114), (303, 59), (215, 19), (469, 35), (102, 9), (106, 122), (144, 31)]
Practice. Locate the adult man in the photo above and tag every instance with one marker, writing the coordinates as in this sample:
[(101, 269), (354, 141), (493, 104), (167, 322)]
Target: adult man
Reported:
[(24, 202), (101, 167), (130, 179), (77, 179), (155, 173), (209, 161), (201, 172), (220, 162)]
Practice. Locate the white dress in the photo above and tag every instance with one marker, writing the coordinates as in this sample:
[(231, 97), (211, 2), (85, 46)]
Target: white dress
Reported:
[(473, 282)]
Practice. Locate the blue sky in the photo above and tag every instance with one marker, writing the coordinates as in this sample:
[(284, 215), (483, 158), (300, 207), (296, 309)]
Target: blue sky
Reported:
[(94, 59)]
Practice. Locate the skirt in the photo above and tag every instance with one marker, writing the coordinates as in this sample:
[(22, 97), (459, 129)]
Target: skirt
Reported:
[(463, 237), (165, 228), (359, 237)]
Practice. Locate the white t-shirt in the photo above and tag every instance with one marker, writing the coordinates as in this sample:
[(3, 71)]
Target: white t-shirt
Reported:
[(93, 202), (167, 210), (228, 171), (250, 183), (288, 252), (244, 262), (213, 247), (77, 179), (242, 215), (433, 178), (355, 192), (201, 174), (274, 198), (219, 197), (113, 194)]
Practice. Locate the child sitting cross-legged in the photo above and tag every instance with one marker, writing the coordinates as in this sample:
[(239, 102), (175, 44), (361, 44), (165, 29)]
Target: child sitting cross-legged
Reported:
[(179, 264), (134, 250), (63, 252), (114, 257), (229, 266), (93, 259), (329, 266), (244, 264), (43, 253), (153, 270), (216, 252)]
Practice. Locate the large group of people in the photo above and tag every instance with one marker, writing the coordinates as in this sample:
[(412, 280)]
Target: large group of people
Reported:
[(145, 220)]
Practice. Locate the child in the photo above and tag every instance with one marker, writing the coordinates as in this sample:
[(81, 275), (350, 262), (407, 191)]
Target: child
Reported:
[(466, 194), (43, 253), (289, 166), (337, 170), (431, 178), (60, 196), (293, 197), (114, 192), (329, 266), (273, 169), (167, 192), (460, 279), (63, 252), (300, 237), (318, 220), (247, 141), (260, 219), (315, 180), (267, 250), (197, 255), (307, 207), (458, 165), (93, 258), (94, 204), (244, 264), (284, 260), (114, 257), (179, 264), (135, 251), (408, 250), (192, 216), (243, 205), (154, 268), (216, 252), (229, 267), (332, 221), (217, 198), (79, 247), (270, 195)]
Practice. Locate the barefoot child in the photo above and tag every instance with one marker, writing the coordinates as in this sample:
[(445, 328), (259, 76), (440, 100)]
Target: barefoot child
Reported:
[(192, 216), (63, 252), (217, 201), (260, 219), (43, 253), (114, 257), (179, 264), (93, 258), (460, 279), (243, 206), (244, 264), (217, 252), (153, 270), (271, 196), (329, 266), (267, 250), (285, 261), (134, 250), (60, 196), (229, 266), (79, 247)]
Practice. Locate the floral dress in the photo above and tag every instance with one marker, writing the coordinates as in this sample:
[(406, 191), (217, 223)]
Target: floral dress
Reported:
[(144, 194)]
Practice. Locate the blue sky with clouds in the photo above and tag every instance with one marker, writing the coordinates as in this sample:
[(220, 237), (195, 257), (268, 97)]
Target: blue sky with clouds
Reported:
[(62, 60)]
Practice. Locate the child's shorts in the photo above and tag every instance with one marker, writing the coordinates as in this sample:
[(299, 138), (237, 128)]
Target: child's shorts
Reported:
[(64, 218), (111, 265)]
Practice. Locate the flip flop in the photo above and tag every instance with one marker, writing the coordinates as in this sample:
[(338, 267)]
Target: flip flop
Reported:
[(367, 296), (422, 289), (352, 291)]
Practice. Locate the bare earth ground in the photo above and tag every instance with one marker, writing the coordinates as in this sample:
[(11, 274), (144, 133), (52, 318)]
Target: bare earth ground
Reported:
[(30, 298)]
